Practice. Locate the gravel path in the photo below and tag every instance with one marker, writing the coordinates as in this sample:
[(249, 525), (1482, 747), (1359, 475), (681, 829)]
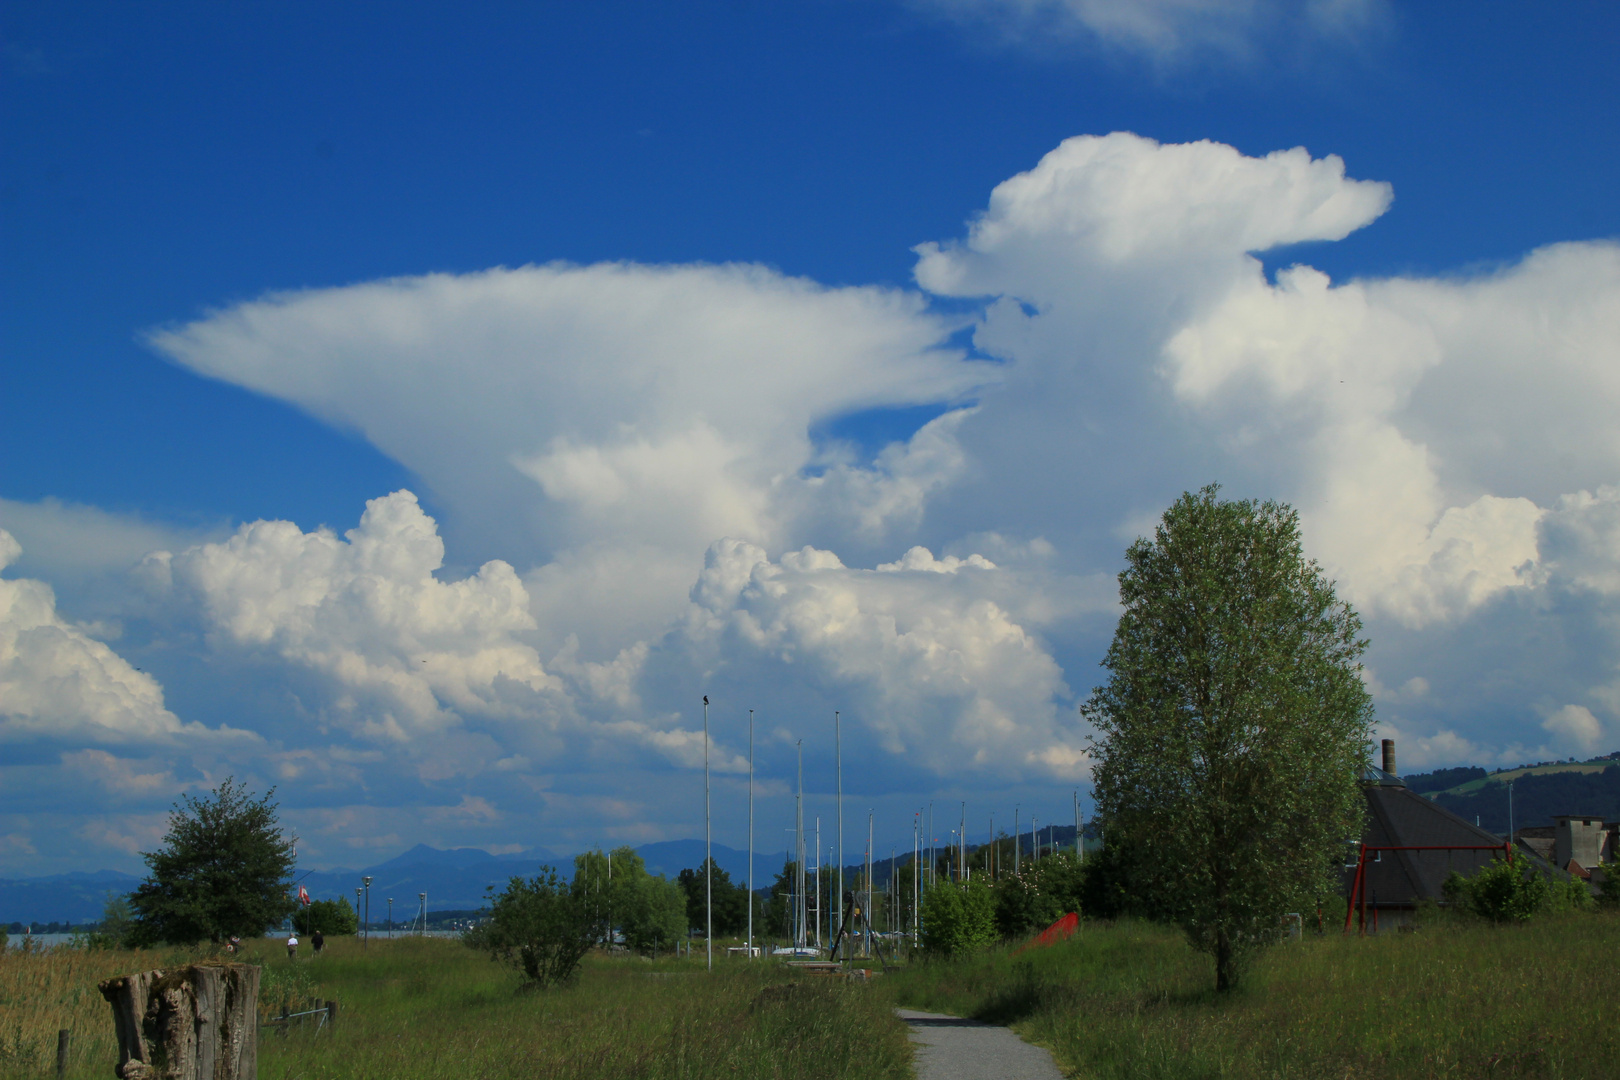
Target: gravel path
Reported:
[(951, 1048)]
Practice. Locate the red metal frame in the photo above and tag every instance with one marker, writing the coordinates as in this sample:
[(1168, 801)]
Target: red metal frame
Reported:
[(1357, 889)]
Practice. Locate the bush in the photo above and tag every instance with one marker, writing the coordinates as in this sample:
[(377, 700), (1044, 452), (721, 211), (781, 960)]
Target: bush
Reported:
[(327, 916), (958, 918), (1609, 887), (538, 926), (117, 927), (1036, 897), (1508, 890)]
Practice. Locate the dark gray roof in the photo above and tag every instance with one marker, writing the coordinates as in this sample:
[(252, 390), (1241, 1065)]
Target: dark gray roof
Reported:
[(1397, 817)]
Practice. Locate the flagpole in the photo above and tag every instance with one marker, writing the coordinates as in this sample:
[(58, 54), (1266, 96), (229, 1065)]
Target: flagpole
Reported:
[(838, 750), (708, 845), (750, 834)]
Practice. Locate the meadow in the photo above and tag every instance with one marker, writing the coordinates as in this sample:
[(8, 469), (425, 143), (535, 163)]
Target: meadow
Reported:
[(1120, 1000), (1454, 999), (431, 1008)]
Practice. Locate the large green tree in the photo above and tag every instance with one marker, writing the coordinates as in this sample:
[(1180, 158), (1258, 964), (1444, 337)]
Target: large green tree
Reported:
[(223, 870), (1233, 725), (730, 901)]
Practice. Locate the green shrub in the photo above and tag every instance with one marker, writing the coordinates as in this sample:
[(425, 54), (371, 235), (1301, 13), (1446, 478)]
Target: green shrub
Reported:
[(1508, 890), (958, 918), (540, 927), (116, 929), (328, 916), (1609, 892), (1040, 894)]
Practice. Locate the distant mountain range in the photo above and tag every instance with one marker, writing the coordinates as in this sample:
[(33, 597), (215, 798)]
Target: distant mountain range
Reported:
[(453, 879), (1540, 792)]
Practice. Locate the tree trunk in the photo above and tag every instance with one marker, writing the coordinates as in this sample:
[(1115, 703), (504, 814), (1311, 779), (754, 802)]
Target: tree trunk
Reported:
[(1224, 975), (199, 1022)]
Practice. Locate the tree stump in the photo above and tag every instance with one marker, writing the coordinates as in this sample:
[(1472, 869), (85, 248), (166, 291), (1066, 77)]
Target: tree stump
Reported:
[(199, 1022)]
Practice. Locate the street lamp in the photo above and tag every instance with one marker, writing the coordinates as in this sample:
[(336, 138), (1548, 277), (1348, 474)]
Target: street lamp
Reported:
[(390, 918), (422, 896), (366, 881)]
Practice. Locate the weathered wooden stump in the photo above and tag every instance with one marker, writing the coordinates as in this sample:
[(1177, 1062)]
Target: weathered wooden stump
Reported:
[(199, 1022)]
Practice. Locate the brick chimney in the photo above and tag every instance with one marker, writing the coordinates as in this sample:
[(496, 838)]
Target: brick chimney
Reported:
[(1389, 757)]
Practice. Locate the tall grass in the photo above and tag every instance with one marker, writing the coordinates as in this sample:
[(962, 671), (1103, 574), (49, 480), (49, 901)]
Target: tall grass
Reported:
[(42, 993), (1131, 1000), (431, 1008)]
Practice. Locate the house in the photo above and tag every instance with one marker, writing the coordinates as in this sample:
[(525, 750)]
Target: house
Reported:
[(1408, 847)]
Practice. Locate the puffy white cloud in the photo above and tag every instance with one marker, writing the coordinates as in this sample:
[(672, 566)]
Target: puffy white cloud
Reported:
[(1575, 728), (924, 657), (1400, 399), (57, 682), (411, 653)]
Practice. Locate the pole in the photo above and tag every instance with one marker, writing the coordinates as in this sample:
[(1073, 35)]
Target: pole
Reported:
[(750, 834), (1017, 839), (838, 758), (390, 918), (708, 846), (799, 852), (961, 859), (868, 907), (423, 898), (1079, 851), (990, 856), (933, 872), (1510, 817)]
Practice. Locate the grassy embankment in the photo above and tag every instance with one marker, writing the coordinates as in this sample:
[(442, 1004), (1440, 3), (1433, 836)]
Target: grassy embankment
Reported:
[(1458, 1000), (416, 1008)]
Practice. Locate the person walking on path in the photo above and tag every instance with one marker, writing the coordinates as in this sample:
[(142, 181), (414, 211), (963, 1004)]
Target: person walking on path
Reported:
[(292, 946), (951, 1048), (317, 942)]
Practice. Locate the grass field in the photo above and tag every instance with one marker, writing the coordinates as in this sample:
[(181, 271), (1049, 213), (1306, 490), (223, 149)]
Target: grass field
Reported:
[(431, 1008), (1131, 1000), (1125, 1000)]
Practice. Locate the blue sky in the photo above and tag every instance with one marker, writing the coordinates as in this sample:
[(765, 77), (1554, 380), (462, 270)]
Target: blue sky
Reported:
[(252, 272)]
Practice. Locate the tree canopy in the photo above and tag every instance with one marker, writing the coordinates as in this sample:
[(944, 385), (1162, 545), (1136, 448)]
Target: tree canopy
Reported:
[(621, 895), (222, 871), (730, 901), (1233, 725)]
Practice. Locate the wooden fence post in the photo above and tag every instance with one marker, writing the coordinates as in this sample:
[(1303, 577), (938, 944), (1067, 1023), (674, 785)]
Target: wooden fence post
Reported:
[(62, 1040), (331, 1015), (199, 1022)]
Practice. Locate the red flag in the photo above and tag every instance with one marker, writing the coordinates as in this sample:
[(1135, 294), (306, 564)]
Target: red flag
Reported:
[(303, 895)]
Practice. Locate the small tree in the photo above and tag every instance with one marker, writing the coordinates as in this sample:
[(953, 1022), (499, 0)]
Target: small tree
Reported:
[(222, 871), (327, 916), (656, 918), (538, 926), (117, 926), (1043, 892), (1233, 725), (958, 919)]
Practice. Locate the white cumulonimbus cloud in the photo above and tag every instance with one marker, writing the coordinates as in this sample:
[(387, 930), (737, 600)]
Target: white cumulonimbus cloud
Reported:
[(1449, 443)]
